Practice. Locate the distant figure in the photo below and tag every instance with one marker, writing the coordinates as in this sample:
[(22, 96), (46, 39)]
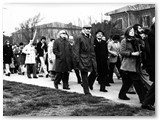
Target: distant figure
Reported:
[(41, 53), (30, 61), (51, 59), (7, 57), (21, 59), (77, 72)]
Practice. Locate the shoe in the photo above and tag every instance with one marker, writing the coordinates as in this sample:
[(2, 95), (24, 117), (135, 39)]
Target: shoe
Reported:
[(88, 94), (56, 86), (35, 77), (47, 76), (124, 98), (131, 92), (104, 90), (40, 75), (67, 88), (29, 77), (148, 107)]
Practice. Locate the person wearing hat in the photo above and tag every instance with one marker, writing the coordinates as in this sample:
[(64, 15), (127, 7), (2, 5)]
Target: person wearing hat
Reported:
[(84, 55), (101, 51), (63, 65)]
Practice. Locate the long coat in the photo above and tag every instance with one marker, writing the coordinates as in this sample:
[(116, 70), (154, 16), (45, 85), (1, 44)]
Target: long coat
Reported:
[(51, 56), (101, 56), (7, 54), (129, 63), (63, 51), (30, 52), (84, 53)]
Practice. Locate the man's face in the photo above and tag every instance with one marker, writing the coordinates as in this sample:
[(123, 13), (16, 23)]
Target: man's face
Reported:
[(99, 35), (87, 30)]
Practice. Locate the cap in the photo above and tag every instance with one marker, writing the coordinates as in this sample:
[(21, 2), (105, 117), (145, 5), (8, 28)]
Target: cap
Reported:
[(87, 26)]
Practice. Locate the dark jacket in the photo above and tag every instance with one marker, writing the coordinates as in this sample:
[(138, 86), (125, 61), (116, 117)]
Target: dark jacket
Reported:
[(41, 49), (101, 51), (129, 63), (84, 53), (63, 51), (7, 54)]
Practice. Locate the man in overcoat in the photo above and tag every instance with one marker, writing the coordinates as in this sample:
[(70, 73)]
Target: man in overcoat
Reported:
[(85, 56), (63, 65)]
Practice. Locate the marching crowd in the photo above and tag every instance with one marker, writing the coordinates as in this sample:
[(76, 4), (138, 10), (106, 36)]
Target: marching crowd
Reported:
[(91, 58)]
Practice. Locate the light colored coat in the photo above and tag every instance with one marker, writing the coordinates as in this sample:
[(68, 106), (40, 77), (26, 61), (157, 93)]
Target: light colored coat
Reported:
[(51, 57), (30, 52), (113, 48)]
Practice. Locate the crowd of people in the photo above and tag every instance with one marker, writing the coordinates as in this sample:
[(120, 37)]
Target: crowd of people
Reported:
[(91, 58)]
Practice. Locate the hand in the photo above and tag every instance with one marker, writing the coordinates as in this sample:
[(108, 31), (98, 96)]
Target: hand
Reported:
[(135, 53)]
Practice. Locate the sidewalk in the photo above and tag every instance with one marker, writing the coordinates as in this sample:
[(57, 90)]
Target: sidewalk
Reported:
[(112, 93)]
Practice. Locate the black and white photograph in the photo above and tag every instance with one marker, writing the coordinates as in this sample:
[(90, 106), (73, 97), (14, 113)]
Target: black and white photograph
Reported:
[(78, 59)]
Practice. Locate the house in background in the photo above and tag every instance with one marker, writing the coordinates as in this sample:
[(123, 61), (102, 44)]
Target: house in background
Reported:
[(130, 15), (49, 30)]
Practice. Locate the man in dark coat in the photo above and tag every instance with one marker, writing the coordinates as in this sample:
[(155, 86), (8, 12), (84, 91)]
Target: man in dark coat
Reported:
[(7, 57), (85, 56), (150, 67), (63, 51), (100, 47)]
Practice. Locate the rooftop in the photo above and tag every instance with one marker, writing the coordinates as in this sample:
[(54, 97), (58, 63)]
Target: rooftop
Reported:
[(136, 7)]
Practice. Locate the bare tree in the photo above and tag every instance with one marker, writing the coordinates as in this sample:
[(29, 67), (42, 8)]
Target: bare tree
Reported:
[(28, 27)]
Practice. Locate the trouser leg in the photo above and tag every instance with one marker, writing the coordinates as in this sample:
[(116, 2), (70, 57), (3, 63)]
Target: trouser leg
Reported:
[(78, 75), (111, 68), (126, 83), (28, 70), (91, 78), (65, 79), (7, 68), (34, 70), (58, 77), (150, 96), (85, 82), (43, 65)]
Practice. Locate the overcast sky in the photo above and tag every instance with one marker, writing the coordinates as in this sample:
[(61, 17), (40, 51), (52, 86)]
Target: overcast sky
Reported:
[(14, 14)]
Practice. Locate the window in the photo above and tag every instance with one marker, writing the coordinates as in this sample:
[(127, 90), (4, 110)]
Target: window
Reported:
[(145, 21)]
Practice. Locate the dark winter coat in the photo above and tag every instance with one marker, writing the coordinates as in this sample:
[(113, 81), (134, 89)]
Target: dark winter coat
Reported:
[(101, 51), (41, 49), (129, 63), (7, 54), (63, 51), (84, 53)]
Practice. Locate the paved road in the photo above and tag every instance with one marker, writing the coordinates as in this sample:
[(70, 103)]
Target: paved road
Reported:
[(112, 93)]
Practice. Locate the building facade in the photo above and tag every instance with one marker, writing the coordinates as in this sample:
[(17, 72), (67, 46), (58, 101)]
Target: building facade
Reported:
[(130, 15), (48, 30)]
